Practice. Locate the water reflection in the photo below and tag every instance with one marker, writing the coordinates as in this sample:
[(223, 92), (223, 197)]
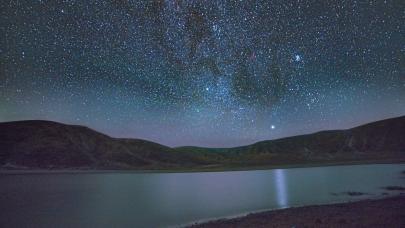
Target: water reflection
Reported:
[(169, 199), (281, 188)]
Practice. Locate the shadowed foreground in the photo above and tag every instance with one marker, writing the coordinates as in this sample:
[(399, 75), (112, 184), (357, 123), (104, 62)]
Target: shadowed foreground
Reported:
[(389, 212)]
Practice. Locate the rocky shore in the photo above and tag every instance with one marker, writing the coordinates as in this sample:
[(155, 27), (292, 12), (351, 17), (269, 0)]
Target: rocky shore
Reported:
[(388, 212)]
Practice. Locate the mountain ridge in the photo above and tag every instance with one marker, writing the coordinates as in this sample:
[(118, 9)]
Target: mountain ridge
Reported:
[(42, 144)]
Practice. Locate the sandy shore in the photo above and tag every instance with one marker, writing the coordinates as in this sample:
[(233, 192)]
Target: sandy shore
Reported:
[(388, 212)]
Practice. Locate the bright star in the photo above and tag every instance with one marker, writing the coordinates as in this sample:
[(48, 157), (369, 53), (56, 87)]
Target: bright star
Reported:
[(273, 127), (297, 58)]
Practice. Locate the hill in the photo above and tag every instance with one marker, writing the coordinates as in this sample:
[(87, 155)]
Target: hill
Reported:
[(51, 145), (381, 140)]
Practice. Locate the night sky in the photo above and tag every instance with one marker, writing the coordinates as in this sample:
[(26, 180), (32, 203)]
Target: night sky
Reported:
[(207, 73)]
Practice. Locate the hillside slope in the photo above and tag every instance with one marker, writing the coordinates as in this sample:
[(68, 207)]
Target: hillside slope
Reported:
[(381, 140), (51, 145), (45, 144)]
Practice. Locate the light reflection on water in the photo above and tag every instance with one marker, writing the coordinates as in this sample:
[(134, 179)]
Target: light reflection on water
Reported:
[(169, 199), (281, 188)]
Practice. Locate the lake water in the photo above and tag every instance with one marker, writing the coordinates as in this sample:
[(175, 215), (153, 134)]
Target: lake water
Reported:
[(170, 199)]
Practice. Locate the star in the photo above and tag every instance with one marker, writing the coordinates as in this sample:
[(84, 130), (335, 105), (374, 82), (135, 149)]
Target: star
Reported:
[(215, 73)]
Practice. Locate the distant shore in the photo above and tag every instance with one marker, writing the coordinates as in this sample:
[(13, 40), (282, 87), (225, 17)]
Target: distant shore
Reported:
[(386, 212), (211, 168)]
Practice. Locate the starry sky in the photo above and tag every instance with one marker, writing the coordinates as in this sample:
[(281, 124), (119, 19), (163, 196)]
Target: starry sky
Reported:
[(205, 73)]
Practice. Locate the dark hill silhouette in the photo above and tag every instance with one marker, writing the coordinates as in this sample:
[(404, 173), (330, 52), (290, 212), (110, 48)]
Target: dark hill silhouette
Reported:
[(381, 140), (45, 144), (50, 145)]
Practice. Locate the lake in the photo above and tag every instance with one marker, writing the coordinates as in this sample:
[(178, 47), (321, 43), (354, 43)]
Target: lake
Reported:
[(171, 199)]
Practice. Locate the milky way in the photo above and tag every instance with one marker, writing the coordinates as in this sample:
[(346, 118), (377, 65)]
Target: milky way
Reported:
[(208, 73)]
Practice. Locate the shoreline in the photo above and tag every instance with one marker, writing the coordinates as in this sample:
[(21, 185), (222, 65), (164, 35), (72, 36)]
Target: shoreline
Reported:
[(196, 169), (388, 211)]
